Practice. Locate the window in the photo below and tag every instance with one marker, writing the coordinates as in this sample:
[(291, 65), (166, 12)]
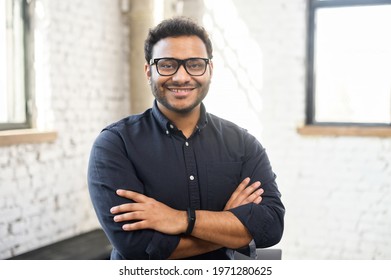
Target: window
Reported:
[(14, 96), (349, 63)]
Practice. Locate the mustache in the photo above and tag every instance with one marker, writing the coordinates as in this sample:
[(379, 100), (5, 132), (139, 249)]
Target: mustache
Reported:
[(177, 84)]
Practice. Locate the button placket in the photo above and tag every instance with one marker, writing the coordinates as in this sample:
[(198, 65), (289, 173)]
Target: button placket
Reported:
[(191, 169)]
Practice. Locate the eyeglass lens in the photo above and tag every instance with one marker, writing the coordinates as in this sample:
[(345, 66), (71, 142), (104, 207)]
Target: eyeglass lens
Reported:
[(193, 66)]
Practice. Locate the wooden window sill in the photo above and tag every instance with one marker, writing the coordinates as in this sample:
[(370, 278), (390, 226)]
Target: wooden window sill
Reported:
[(26, 136), (359, 131)]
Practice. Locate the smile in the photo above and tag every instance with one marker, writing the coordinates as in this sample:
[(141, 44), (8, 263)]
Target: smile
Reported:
[(180, 89)]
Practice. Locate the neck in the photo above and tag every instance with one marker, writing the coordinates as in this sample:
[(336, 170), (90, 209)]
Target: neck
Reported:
[(186, 122)]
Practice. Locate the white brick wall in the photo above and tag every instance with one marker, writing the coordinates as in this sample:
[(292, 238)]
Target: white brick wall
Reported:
[(82, 85), (337, 190)]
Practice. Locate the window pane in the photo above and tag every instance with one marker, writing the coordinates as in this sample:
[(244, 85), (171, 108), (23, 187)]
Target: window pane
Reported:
[(12, 63), (352, 70)]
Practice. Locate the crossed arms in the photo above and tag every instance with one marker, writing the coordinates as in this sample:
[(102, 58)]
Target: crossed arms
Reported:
[(145, 228), (212, 230)]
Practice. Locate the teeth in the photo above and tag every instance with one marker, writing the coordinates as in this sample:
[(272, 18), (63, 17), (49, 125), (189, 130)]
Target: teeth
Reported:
[(180, 90)]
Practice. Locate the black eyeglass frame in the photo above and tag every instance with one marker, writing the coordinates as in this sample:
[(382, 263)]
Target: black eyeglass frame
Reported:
[(180, 62)]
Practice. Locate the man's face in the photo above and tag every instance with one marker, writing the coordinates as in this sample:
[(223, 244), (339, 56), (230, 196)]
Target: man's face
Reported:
[(180, 92)]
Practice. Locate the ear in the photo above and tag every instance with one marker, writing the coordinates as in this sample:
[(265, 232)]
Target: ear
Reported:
[(147, 70)]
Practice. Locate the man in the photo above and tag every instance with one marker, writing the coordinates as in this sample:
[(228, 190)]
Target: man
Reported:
[(175, 181)]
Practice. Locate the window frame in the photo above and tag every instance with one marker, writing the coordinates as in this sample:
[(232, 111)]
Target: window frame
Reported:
[(26, 11), (313, 5)]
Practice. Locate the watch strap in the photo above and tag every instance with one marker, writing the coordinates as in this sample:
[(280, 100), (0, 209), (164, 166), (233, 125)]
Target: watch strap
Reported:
[(191, 218)]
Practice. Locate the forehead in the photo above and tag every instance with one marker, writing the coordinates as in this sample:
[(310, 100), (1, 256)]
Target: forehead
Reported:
[(180, 47)]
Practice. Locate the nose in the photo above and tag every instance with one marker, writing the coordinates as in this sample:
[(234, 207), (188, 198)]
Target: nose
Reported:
[(181, 75)]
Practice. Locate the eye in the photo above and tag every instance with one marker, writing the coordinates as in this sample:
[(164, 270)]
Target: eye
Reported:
[(167, 64), (195, 64)]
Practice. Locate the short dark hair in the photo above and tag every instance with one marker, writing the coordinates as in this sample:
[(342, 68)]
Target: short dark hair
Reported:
[(174, 27)]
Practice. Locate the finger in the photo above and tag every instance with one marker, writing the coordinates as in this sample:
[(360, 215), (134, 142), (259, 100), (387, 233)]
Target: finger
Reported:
[(138, 197), (121, 208), (130, 216), (241, 194), (258, 200), (253, 187), (244, 194), (242, 185), (240, 188), (135, 226), (127, 207), (254, 196)]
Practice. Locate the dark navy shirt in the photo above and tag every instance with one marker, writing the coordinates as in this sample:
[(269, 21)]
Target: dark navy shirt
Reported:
[(148, 154)]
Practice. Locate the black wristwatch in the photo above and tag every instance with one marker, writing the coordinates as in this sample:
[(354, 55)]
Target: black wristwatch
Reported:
[(191, 218)]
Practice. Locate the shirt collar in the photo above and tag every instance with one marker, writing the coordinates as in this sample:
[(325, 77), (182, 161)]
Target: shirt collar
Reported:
[(165, 123), (203, 117)]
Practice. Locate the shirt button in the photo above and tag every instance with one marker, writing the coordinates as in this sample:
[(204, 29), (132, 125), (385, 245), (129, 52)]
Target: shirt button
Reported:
[(171, 126), (167, 132), (191, 178), (187, 144)]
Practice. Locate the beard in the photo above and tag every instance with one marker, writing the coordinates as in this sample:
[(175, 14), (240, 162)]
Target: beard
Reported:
[(160, 95)]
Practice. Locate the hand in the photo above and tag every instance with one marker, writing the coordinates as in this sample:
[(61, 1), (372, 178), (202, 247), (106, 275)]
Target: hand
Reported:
[(245, 194), (148, 213)]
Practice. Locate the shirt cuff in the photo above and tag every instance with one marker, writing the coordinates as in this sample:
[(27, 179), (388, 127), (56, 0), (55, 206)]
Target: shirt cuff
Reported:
[(162, 246), (250, 250)]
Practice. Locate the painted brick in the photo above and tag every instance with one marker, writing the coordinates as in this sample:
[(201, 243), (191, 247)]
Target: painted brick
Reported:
[(81, 60), (337, 190)]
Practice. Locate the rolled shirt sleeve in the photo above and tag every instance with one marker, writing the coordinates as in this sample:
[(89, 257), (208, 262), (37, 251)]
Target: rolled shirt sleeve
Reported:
[(264, 221), (110, 169)]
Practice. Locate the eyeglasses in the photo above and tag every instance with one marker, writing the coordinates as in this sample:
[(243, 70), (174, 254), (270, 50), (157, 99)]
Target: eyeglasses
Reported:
[(168, 66)]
